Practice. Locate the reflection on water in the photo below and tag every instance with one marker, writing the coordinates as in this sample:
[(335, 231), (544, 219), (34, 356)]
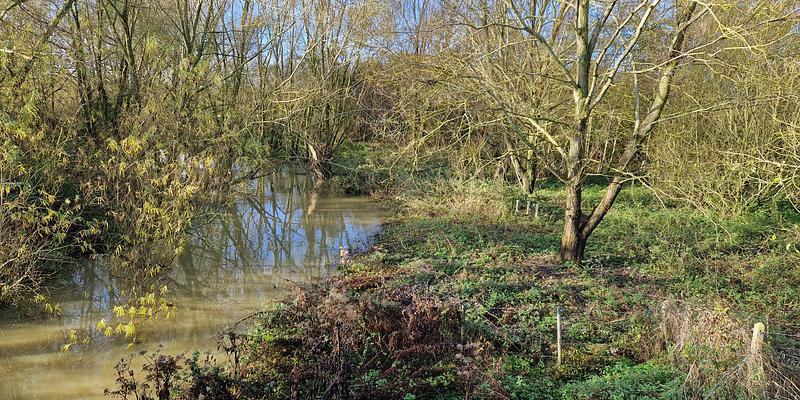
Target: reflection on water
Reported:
[(281, 232)]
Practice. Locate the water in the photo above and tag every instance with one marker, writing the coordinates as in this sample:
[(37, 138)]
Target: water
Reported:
[(281, 232)]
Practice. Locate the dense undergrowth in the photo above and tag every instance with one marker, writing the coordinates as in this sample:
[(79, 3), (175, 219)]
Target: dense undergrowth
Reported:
[(458, 299)]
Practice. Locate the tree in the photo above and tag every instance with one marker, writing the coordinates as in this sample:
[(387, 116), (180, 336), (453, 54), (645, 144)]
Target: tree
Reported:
[(588, 92), (583, 57)]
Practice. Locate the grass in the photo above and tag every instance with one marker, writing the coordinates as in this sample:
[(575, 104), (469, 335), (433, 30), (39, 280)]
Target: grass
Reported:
[(458, 300)]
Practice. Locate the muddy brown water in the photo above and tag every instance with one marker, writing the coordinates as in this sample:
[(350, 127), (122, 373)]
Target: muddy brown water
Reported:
[(279, 233)]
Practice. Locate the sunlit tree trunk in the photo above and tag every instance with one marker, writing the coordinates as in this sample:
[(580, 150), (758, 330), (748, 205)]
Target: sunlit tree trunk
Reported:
[(578, 227), (572, 242)]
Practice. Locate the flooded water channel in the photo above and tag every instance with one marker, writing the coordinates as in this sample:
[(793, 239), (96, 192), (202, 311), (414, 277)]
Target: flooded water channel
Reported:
[(278, 233)]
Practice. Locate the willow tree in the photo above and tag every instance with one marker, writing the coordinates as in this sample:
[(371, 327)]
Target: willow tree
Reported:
[(588, 58)]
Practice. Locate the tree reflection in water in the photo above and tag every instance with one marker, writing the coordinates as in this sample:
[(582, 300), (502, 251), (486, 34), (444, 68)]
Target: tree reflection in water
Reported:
[(281, 231)]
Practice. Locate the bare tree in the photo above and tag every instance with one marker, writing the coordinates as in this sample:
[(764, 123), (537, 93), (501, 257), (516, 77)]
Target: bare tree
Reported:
[(577, 53)]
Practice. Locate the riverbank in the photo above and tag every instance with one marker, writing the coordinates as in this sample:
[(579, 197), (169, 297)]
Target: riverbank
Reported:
[(458, 299)]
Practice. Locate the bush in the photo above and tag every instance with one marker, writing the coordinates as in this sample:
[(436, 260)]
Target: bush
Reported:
[(624, 381)]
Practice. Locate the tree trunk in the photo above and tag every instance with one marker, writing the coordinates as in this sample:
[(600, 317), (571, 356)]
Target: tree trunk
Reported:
[(523, 176), (319, 164), (531, 167), (573, 242), (573, 249), (321, 169)]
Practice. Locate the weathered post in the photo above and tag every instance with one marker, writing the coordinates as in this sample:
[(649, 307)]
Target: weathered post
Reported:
[(516, 207), (536, 211), (528, 208), (558, 335), (758, 339), (755, 365)]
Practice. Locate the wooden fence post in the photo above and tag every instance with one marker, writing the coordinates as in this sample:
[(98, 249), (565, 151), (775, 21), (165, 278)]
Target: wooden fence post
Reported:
[(755, 364), (558, 335)]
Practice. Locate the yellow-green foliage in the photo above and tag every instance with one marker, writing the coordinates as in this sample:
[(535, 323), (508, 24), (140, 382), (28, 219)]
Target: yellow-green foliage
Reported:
[(66, 195), (41, 217), (124, 320)]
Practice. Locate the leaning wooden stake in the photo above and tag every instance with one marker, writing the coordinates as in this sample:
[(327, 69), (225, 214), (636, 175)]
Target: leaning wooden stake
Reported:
[(528, 208), (558, 335), (516, 207), (755, 365)]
